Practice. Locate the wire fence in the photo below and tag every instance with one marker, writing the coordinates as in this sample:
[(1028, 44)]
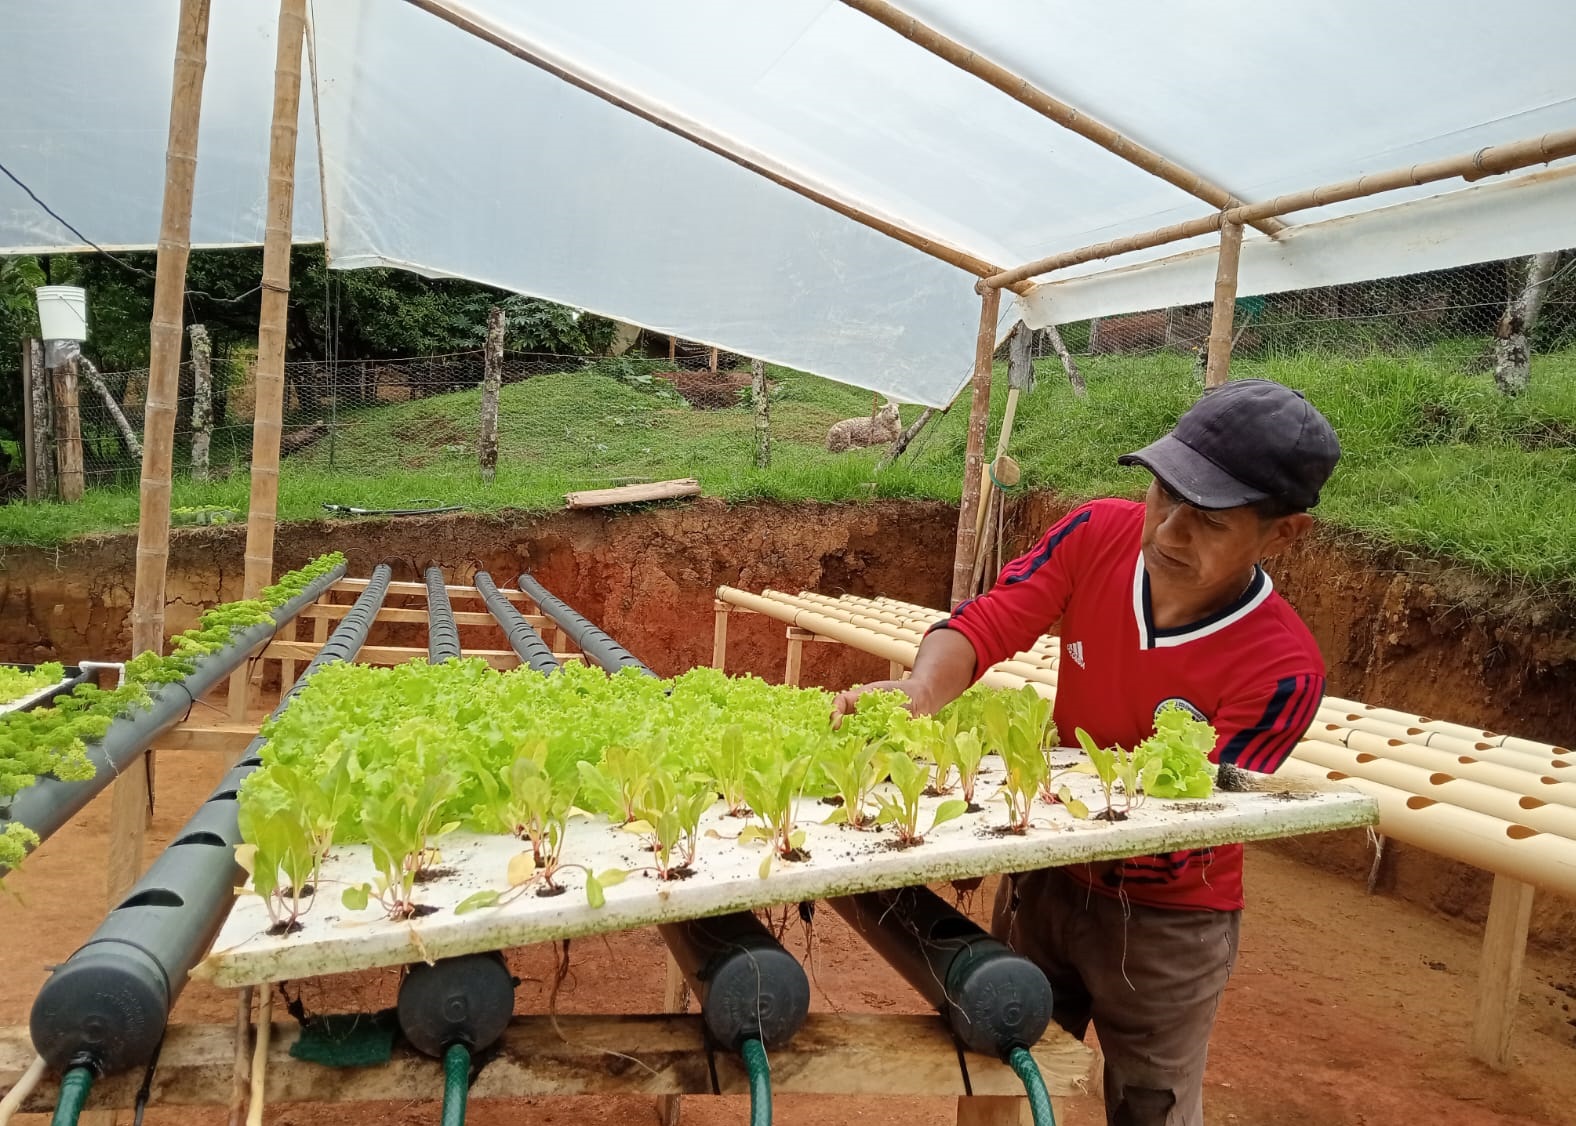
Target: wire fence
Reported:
[(615, 419)]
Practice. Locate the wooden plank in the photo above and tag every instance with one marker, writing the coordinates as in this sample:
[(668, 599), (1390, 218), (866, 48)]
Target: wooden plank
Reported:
[(413, 616), (795, 658), (675, 999), (994, 1110), (833, 1054), (633, 494), (1499, 973), (386, 654), (719, 636), (225, 738)]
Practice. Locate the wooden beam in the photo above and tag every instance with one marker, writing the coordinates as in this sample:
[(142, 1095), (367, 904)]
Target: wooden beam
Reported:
[(226, 738), (1499, 973), (833, 1054), (1219, 366), (411, 615), (1492, 161), (1063, 114), (795, 659), (665, 117), (974, 461), (384, 654), (403, 587)]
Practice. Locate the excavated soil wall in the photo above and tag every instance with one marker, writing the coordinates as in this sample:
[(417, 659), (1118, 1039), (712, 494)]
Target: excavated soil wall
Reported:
[(1399, 631)]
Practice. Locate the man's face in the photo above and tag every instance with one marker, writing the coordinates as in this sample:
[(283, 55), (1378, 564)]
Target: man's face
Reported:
[(1208, 550)]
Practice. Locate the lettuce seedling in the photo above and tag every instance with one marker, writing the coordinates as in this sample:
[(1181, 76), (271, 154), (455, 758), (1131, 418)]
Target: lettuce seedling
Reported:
[(1177, 755), (1025, 768), (852, 767), (902, 811), (774, 781), (725, 760), (672, 823), (968, 752)]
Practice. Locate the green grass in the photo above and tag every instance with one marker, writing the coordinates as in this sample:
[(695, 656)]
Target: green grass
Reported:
[(1435, 459)]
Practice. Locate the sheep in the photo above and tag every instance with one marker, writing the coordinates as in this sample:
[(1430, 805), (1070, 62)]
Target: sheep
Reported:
[(881, 427)]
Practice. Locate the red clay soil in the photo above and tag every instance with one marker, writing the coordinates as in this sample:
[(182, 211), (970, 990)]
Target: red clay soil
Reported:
[(1345, 1010), (708, 390)]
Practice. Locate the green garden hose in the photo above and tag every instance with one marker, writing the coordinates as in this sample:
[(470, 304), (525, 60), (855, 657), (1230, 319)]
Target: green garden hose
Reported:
[(760, 1074), (1033, 1085), (74, 1087), (456, 1084)]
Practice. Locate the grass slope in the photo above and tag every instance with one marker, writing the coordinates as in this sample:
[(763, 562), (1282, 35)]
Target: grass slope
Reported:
[(1434, 459)]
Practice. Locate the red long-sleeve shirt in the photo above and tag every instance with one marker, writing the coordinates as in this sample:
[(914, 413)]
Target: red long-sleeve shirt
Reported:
[(1252, 670)]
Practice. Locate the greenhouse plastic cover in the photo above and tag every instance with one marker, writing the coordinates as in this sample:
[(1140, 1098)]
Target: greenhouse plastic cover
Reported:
[(443, 154)]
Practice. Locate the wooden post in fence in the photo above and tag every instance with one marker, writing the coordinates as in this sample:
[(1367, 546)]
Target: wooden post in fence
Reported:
[(1219, 366), (974, 461), (62, 356), (713, 361), (266, 422), (492, 378), (763, 416), (30, 444), (202, 400)]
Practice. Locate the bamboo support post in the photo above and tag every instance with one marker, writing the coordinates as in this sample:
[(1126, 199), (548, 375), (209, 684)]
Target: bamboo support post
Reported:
[(979, 417), (131, 797), (1492, 161), (665, 117), (1499, 973), (1225, 305), (719, 635), (796, 640), (492, 379), (896, 670), (1067, 116), (63, 356), (202, 400), (269, 411)]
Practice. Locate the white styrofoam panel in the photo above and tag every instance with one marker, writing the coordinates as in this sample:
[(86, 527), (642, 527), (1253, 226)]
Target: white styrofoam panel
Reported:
[(726, 876)]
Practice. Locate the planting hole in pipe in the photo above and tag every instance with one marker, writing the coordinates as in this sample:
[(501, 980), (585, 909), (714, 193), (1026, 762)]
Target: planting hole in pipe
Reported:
[(1439, 779), (201, 837), (1364, 756), (1547, 781), (1529, 802), (225, 795), (153, 897), (1420, 803), (1519, 832)]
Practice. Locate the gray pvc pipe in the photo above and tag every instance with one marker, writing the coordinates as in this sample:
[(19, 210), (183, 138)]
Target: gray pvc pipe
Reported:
[(110, 1001), (49, 803), (524, 640), (595, 644), (443, 636)]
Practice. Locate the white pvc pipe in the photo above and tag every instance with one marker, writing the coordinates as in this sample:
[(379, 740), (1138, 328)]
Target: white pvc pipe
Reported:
[(1442, 786), (1517, 851)]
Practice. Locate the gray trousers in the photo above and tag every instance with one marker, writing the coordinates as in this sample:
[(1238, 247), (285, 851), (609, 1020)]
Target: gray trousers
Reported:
[(1149, 978)]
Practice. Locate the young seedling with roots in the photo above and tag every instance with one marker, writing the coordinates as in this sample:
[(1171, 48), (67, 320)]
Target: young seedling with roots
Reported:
[(901, 811), (774, 781), (671, 822), (726, 765)]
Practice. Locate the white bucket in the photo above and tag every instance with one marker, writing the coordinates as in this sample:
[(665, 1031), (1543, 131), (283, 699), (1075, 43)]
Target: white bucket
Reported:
[(62, 312)]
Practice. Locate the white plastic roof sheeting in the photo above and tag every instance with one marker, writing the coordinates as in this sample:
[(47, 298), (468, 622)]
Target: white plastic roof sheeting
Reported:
[(448, 156)]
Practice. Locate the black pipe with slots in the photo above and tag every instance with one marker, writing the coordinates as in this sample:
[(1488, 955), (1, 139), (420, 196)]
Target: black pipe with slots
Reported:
[(443, 636), (995, 1000), (596, 645), (107, 1005), (525, 641), (49, 803)]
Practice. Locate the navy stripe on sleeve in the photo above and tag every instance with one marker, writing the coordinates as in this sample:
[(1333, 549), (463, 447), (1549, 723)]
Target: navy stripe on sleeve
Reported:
[(1233, 750), (1271, 750), (1020, 569)]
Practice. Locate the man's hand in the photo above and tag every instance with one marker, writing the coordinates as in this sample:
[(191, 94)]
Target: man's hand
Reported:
[(848, 700)]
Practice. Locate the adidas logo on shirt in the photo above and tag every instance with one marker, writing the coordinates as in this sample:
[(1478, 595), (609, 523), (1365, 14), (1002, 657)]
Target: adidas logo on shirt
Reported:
[(1075, 651)]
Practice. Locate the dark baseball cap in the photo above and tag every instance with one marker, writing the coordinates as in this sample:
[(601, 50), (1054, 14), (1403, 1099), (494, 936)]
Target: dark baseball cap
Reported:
[(1242, 442)]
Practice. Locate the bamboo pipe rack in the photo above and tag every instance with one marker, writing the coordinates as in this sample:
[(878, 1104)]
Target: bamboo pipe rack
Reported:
[(1491, 161)]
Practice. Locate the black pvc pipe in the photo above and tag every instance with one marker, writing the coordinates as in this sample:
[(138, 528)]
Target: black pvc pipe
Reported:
[(49, 803), (72, 677), (524, 640), (110, 1001), (443, 636), (994, 999), (596, 645), (466, 1000), (749, 987)]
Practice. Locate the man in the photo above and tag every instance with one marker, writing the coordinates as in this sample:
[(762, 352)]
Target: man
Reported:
[(1159, 603)]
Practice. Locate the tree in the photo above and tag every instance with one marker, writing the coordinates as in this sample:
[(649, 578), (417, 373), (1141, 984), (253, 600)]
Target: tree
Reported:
[(1512, 353)]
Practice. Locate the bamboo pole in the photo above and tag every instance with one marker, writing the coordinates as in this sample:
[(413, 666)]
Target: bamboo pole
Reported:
[(979, 417), (665, 117), (131, 796), (1067, 116), (719, 635), (1492, 161), (1225, 305), (269, 411)]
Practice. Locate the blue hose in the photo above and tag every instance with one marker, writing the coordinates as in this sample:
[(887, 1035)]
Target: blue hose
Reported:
[(74, 1087), (1033, 1085), (760, 1074)]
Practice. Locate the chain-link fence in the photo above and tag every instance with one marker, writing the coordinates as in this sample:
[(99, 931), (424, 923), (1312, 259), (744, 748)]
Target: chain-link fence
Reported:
[(660, 409)]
